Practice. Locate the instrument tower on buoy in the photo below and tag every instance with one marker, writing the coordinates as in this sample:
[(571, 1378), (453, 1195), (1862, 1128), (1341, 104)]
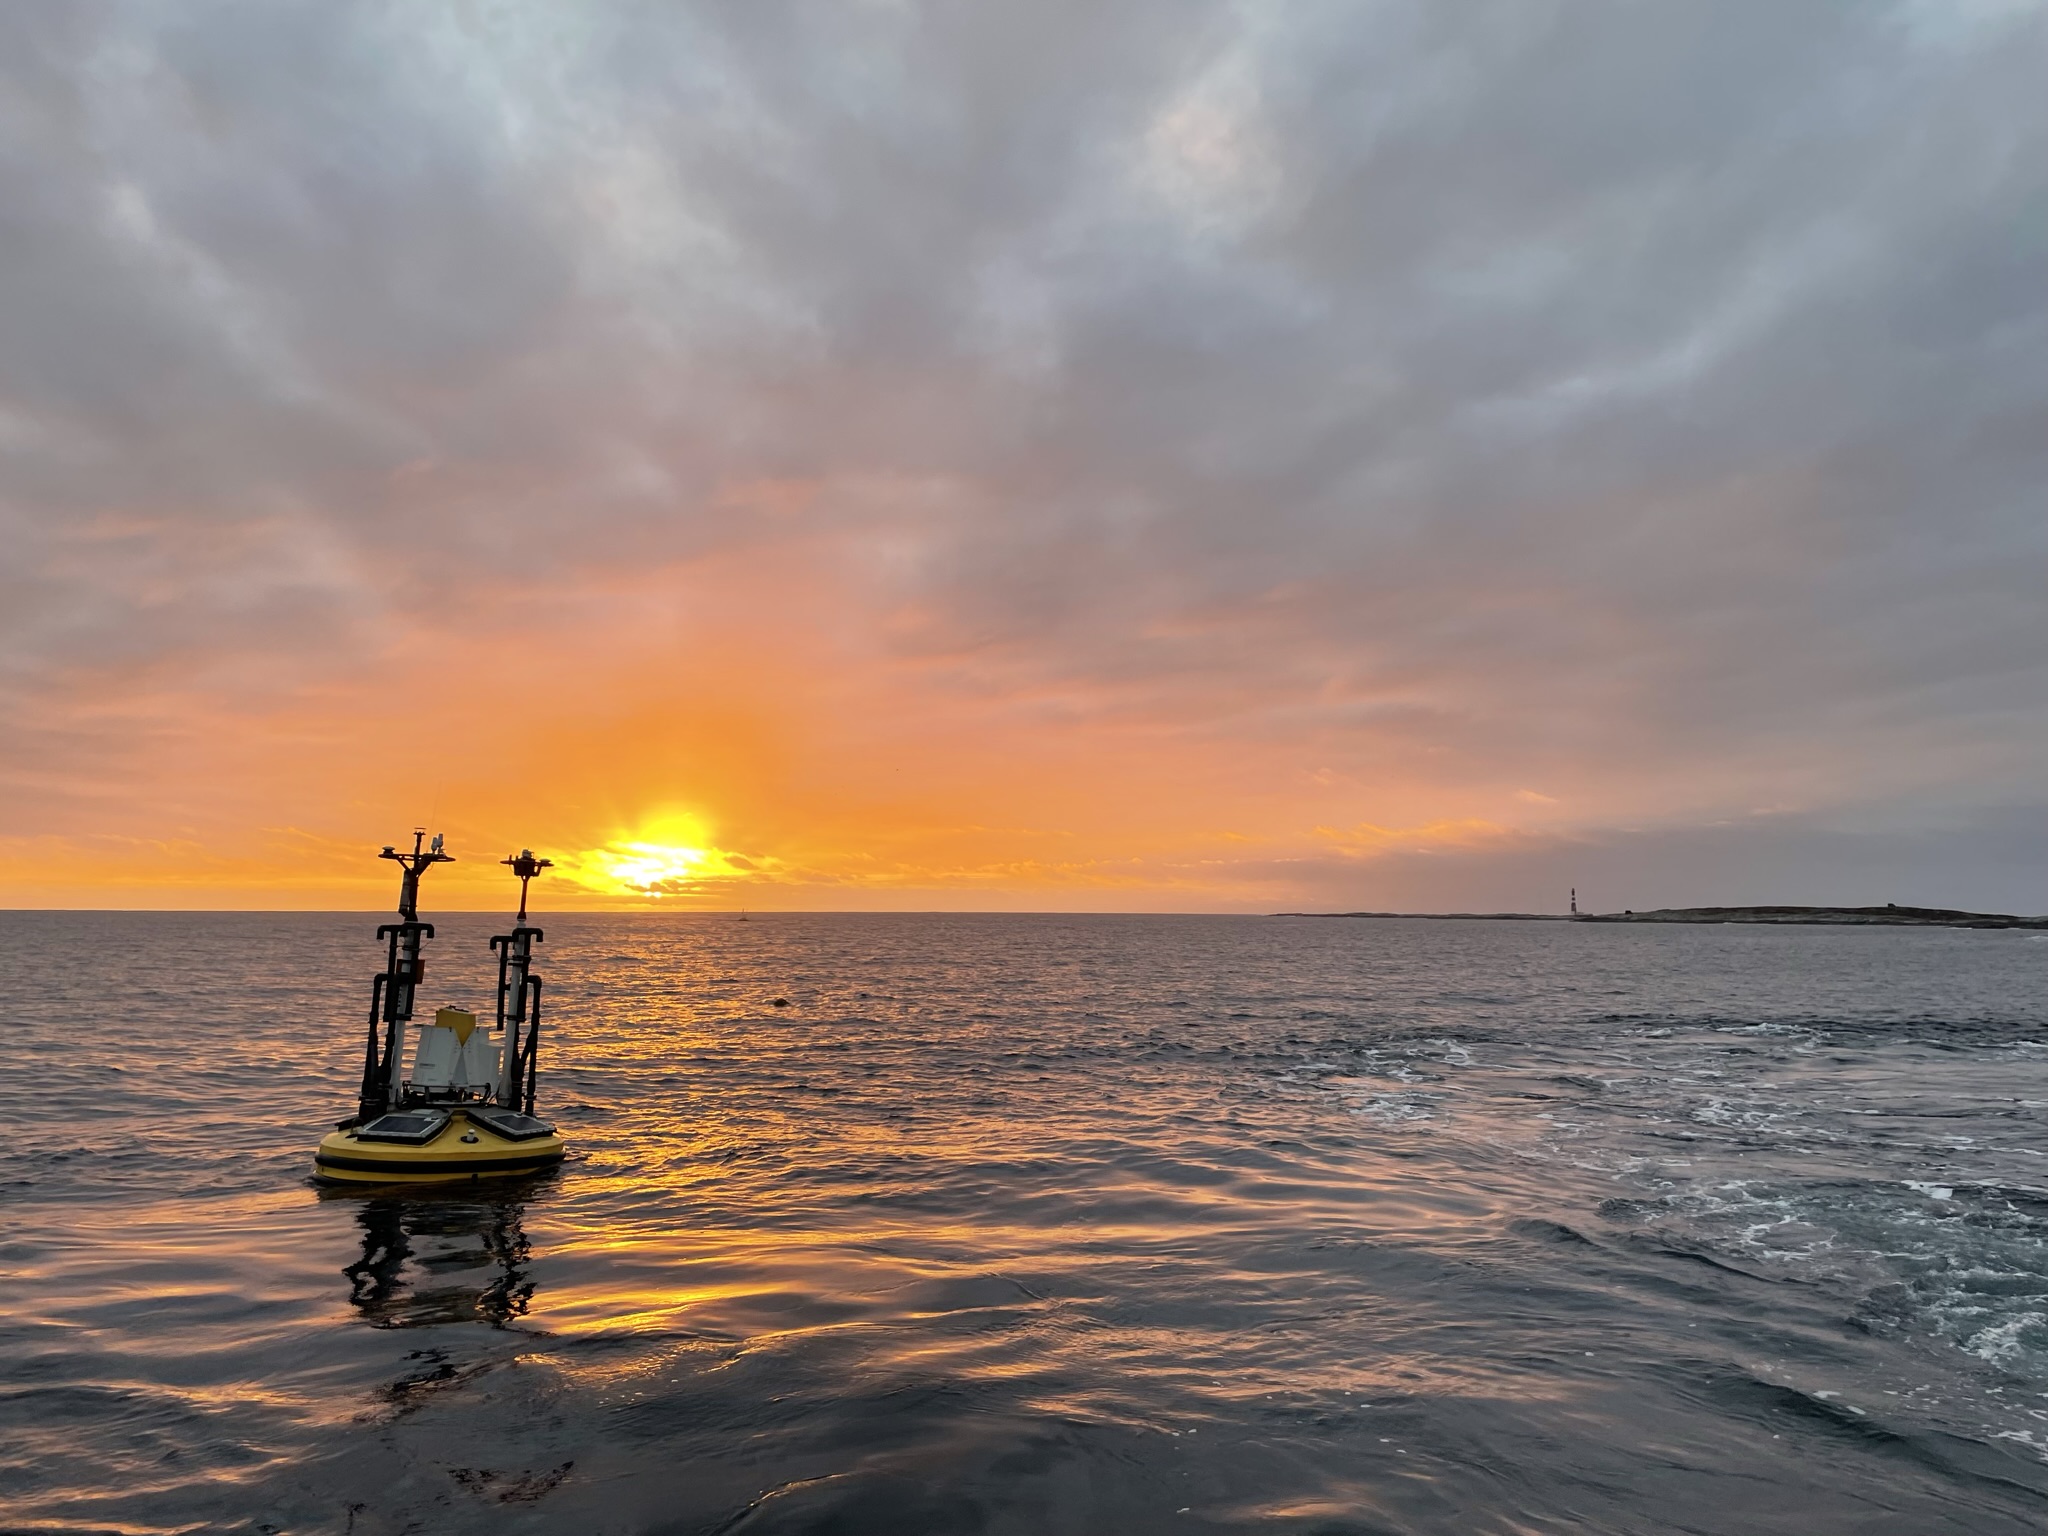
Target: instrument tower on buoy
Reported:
[(392, 993), (516, 985)]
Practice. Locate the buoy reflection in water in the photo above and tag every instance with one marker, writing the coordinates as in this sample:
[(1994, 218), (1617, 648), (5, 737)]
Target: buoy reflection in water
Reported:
[(440, 1258)]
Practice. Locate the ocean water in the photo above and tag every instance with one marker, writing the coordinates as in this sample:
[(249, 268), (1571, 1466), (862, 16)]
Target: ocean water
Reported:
[(1043, 1224)]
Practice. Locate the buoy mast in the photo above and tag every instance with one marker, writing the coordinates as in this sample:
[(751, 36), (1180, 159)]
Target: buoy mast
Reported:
[(392, 994), (516, 985)]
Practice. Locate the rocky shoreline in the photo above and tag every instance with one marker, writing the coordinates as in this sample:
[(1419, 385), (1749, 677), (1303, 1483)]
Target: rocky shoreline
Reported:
[(1463, 917), (1851, 917), (1882, 917)]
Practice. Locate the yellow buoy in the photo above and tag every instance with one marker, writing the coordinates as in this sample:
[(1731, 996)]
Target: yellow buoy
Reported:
[(439, 1146), (462, 1108)]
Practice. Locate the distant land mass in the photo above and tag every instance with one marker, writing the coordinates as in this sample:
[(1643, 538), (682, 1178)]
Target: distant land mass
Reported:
[(1473, 917), (1855, 917), (1885, 917)]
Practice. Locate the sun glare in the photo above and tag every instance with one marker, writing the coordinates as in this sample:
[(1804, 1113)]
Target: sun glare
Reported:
[(651, 867), (672, 857)]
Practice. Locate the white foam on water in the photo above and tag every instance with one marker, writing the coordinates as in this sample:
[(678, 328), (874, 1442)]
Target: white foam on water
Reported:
[(1395, 1108), (2014, 1341)]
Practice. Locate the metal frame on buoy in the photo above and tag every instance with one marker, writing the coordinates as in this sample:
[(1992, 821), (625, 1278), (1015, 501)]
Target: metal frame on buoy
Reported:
[(405, 967), (519, 993)]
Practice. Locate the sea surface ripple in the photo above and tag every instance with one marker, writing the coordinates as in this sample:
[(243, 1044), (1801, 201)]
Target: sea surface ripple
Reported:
[(1043, 1224)]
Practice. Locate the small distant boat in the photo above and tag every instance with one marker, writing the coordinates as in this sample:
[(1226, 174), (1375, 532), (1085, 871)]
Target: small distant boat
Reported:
[(462, 1108)]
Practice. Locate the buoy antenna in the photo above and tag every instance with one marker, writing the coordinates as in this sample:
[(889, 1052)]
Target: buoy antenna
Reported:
[(415, 864), (525, 866)]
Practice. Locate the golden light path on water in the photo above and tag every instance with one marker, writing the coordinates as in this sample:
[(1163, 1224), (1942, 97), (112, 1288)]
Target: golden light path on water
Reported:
[(1032, 1224)]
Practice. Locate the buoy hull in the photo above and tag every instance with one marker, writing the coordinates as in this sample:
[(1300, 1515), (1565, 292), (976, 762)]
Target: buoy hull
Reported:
[(464, 1152)]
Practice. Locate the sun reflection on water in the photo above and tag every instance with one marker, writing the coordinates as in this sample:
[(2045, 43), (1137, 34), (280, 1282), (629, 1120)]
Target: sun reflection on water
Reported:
[(863, 1212)]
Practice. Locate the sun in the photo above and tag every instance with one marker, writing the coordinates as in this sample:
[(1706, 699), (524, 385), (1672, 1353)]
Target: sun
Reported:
[(653, 866), (670, 855)]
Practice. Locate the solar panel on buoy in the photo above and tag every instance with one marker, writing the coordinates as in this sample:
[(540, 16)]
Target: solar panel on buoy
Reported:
[(403, 1125)]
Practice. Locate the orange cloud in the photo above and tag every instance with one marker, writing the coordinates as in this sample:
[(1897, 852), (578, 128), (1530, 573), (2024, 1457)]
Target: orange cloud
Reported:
[(747, 728)]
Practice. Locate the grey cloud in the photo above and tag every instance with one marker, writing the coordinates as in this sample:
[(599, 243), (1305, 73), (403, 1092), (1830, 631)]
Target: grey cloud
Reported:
[(1665, 384)]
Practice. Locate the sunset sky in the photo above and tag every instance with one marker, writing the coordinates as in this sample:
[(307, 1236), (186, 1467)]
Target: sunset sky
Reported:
[(1138, 454)]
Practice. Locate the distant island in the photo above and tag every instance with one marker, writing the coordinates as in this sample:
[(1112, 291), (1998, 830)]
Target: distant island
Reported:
[(1888, 916), (1469, 917)]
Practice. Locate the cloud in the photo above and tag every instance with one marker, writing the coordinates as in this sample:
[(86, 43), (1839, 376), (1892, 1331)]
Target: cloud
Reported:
[(1342, 416)]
